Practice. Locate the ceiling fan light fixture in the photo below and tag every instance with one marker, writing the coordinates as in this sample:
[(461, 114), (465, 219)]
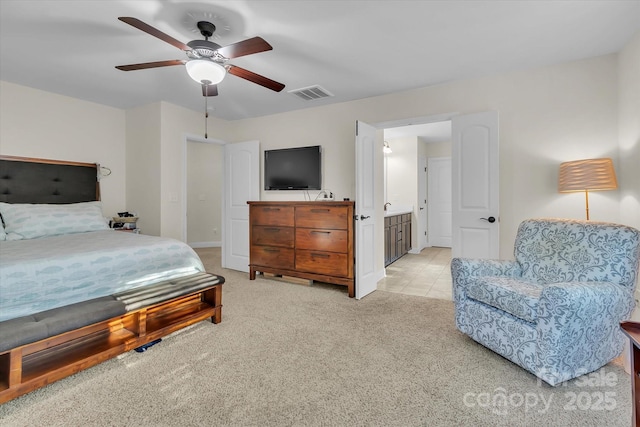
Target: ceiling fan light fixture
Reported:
[(204, 70)]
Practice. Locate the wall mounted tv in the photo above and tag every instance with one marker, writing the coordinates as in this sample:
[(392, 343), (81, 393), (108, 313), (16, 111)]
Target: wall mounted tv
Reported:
[(297, 168)]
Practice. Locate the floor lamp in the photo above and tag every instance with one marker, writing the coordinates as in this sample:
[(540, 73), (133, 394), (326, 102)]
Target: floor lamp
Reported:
[(587, 175)]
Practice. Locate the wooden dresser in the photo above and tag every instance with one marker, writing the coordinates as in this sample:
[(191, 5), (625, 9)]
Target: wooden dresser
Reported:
[(309, 240)]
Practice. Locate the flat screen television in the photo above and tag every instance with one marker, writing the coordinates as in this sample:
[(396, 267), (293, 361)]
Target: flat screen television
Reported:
[(297, 168)]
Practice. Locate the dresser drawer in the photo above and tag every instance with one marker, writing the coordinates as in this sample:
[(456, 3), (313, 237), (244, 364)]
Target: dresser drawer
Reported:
[(322, 216), (272, 215), (273, 257), (270, 235), (322, 240), (329, 263)]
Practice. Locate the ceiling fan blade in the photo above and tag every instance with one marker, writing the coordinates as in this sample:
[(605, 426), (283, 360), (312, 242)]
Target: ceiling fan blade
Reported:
[(134, 22), (255, 78), (209, 90), (245, 47), (144, 65)]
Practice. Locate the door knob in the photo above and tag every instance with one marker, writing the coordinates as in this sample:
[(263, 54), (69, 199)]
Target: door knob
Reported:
[(362, 217), (490, 219)]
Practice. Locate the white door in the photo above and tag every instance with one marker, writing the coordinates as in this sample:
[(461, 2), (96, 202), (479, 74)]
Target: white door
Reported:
[(439, 173), (475, 182), (422, 205), (365, 210), (242, 183)]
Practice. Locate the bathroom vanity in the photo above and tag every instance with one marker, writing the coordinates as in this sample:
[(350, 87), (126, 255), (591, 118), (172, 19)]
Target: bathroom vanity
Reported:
[(397, 234)]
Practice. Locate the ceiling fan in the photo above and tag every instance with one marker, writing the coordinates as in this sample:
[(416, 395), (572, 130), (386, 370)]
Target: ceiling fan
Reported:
[(206, 63)]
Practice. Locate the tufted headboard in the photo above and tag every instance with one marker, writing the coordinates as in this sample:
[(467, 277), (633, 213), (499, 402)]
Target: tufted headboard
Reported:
[(29, 180)]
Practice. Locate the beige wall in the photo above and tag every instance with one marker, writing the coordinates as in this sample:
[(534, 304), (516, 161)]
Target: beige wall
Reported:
[(332, 127), (145, 148), (402, 172), (629, 128), (34, 123), (143, 166), (176, 124), (436, 149), (547, 115), (157, 137)]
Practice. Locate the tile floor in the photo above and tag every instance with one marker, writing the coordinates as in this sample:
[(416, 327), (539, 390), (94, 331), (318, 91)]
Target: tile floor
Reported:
[(425, 274)]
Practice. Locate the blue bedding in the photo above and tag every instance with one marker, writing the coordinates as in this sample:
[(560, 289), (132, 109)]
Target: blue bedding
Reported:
[(50, 272)]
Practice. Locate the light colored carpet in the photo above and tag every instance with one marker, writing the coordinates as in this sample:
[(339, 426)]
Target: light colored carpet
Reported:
[(290, 354)]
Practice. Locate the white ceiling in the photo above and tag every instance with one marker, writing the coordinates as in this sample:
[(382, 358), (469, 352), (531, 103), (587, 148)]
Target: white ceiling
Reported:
[(354, 49)]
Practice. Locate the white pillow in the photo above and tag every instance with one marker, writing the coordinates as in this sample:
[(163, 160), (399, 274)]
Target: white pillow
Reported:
[(29, 221)]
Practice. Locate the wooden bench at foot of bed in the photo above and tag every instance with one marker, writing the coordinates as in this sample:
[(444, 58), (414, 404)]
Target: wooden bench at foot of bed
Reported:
[(148, 314)]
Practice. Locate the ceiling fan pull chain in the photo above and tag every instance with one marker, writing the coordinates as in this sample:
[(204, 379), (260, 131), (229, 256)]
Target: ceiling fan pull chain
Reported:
[(206, 116)]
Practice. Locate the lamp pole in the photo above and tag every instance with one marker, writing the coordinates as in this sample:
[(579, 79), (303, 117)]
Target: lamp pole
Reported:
[(586, 199)]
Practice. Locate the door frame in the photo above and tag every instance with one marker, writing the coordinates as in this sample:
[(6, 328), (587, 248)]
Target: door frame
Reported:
[(186, 138)]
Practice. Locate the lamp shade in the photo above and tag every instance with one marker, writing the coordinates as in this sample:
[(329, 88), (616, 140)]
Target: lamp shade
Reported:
[(205, 71), (587, 175)]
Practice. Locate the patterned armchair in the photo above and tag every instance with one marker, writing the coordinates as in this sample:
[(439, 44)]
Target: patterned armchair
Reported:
[(556, 309)]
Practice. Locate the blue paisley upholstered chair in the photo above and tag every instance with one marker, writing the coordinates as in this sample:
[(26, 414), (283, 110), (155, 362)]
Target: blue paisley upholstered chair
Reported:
[(556, 309)]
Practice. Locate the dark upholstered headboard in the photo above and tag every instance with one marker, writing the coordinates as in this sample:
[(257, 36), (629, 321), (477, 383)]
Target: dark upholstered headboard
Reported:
[(28, 180)]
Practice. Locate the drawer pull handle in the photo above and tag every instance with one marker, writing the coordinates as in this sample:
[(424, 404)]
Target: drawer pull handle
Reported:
[(319, 210), (320, 232), (272, 229), (271, 250), (320, 255), (270, 209)]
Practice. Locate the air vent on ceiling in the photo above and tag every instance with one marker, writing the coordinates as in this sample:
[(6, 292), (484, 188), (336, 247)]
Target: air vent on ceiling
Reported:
[(312, 92)]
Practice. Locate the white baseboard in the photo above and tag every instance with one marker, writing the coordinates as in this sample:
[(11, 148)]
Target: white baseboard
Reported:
[(205, 244)]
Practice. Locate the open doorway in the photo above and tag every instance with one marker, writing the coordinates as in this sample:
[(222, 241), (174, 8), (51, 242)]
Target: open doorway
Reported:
[(239, 164), (204, 197), (415, 181), (474, 182), (412, 186)]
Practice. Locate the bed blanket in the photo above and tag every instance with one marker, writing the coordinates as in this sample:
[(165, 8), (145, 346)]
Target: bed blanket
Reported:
[(50, 272)]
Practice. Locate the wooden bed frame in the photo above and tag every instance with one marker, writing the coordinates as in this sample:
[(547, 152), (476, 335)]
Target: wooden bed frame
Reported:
[(31, 366)]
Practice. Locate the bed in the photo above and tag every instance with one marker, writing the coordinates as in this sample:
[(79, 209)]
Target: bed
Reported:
[(73, 292)]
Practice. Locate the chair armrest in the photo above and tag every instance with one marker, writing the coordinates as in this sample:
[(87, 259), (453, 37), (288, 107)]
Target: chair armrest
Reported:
[(464, 270), (580, 321), (584, 301)]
